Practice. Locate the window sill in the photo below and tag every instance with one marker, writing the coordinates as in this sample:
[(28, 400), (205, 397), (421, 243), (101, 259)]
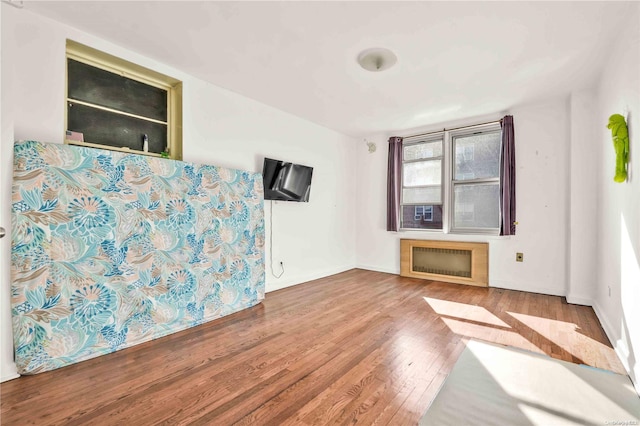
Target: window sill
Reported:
[(482, 235), (113, 148)]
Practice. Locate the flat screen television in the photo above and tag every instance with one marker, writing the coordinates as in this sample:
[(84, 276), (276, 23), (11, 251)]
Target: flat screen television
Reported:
[(286, 181)]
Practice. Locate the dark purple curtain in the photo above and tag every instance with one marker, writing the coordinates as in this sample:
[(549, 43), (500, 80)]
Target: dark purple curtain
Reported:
[(508, 178), (394, 182)]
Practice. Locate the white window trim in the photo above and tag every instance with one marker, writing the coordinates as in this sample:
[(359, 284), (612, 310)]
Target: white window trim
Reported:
[(428, 210), (416, 215), (435, 137), (447, 181), (452, 183), (423, 212)]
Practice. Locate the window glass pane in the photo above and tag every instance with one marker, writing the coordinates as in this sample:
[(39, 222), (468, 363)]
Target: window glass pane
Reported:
[(431, 194), (476, 206), (422, 173), (477, 156), (422, 217), (107, 128), (99, 87), (423, 150)]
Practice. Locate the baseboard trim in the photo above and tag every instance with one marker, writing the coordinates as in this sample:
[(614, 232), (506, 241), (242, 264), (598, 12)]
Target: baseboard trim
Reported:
[(301, 279), (9, 377), (379, 269), (613, 339), (508, 285), (608, 329), (578, 300)]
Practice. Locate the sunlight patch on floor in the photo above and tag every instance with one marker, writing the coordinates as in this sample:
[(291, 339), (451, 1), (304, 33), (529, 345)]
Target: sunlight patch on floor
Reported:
[(567, 336), (490, 334), (466, 311)]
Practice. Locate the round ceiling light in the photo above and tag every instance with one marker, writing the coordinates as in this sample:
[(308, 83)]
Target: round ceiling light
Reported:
[(377, 59)]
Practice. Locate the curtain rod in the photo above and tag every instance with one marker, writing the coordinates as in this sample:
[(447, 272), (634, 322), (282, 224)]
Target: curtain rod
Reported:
[(453, 128)]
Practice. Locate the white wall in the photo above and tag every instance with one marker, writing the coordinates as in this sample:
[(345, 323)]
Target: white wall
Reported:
[(7, 367), (219, 127), (313, 240), (582, 218), (618, 247), (541, 132)]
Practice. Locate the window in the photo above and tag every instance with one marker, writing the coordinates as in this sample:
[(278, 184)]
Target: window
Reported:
[(121, 106), (450, 181), (422, 191), (475, 184), (419, 210), (423, 213)]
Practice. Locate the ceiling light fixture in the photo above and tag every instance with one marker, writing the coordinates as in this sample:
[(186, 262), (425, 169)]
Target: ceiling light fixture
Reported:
[(377, 59)]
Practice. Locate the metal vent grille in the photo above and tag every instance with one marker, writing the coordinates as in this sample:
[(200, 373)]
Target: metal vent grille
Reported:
[(439, 261)]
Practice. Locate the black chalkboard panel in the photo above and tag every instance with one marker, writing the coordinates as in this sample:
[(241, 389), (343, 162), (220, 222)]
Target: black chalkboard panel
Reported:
[(112, 129), (99, 87)]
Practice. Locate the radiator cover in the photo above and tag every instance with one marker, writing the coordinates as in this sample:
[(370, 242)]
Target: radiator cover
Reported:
[(448, 261)]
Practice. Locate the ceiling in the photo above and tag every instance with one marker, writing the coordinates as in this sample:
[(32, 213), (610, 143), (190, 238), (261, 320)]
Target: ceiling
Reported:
[(455, 59)]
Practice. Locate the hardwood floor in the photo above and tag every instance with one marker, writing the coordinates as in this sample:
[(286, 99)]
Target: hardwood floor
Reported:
[(358, 347)]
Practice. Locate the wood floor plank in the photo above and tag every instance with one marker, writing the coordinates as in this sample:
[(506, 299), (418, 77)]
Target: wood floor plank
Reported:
[(358, 347)]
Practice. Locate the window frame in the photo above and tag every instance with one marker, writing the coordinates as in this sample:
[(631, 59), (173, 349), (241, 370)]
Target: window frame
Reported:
[(416, 215), (426, 212), (453, 182), (98, 59), (416, 140), (448, 183)]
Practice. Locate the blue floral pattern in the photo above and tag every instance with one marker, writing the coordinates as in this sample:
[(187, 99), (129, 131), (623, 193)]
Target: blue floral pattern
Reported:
[(112, 249), (88, 213)]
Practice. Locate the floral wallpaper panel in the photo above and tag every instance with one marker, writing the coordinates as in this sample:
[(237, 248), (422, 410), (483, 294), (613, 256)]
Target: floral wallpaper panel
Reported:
[(112, 249)]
